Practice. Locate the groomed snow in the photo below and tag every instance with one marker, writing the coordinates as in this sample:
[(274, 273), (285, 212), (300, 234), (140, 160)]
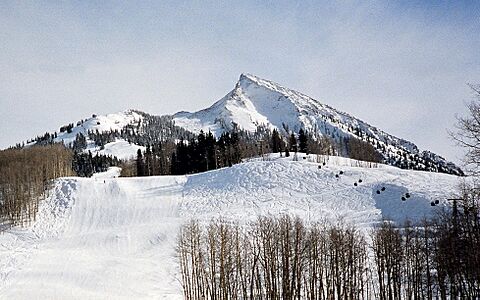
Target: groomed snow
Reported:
[(113, 238)]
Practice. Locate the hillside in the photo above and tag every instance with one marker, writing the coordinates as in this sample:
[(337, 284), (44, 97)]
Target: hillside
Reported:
[(107, 237), (258, 102), (254, 105)]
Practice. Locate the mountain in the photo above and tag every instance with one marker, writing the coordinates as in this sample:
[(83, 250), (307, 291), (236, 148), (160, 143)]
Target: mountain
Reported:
[(253, 103), (258, 102), (98, 124), (106, 237)]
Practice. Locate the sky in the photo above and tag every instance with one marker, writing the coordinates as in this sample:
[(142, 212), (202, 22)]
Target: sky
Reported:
[(399, 66)]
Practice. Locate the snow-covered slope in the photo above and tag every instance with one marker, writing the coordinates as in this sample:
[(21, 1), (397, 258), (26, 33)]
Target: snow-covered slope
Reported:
[(120, 149), (255, 102), (113, 238), (102, 123), (252, 103), (99, 124)]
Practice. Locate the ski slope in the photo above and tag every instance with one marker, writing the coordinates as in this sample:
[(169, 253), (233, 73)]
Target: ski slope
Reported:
[(114, 238), (121, 149)]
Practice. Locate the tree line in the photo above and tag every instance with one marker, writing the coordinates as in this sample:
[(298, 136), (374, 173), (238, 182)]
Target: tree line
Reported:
[(272, 258), (286, 258), (204, 152), (437, 259), (25, 176), (27, 173), (86, 164)]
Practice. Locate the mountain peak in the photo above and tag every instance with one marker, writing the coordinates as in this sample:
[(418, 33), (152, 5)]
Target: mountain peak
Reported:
[(249, 76), (256, 102), (247, 79)]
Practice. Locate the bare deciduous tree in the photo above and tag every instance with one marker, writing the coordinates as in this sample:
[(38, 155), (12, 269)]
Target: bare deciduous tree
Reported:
[(467, 133)]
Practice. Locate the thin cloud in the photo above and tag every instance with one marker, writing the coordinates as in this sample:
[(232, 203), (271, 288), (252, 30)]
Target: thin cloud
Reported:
[(401, 68)]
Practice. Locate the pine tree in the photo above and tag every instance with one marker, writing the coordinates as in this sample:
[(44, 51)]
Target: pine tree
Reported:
[(302, 141), (292, 142), (148, 162), (211, 151), (236, 156), (202, 152), (140, 164), (276, 142), (80, 143)]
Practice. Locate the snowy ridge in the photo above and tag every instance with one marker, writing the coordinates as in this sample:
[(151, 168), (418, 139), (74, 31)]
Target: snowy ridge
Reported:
[(258, 102), (255, 101), (114, 238), (102, 123)]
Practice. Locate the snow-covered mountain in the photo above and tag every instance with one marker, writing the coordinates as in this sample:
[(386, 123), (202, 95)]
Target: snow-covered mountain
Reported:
[(107, 237), (100, 123), (258, 102), (114, 122)]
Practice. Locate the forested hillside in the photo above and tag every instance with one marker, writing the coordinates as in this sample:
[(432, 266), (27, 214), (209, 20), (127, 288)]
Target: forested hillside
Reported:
[(26, 175)]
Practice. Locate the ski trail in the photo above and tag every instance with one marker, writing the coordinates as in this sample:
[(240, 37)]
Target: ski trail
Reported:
[(114, 238)]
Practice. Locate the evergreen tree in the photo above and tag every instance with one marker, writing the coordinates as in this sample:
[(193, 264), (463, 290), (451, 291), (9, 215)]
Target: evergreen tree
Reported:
[(148, 162), (276, 142), (236, 156), (202, 152), (292, 143), (173, 166), (211, 151), (140, 164), (80, 143), (302, 141)]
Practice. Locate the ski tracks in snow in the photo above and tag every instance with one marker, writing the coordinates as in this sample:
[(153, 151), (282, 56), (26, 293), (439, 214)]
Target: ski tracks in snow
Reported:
[(107, 237), (17, 245)]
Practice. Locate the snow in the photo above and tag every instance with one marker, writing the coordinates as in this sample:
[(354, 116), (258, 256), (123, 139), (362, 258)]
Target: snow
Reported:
[(113, 238), (120, 148), (255, 101), (102, 123)]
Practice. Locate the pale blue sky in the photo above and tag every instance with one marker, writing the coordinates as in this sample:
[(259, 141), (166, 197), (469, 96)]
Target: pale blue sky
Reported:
[(402, 68)]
